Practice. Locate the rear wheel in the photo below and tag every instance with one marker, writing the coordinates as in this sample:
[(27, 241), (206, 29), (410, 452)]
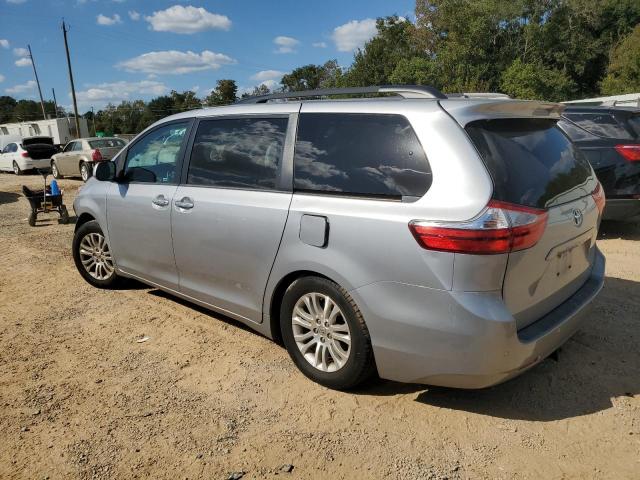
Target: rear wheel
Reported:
[(54, 171), (92, 256), (85, 171), (325, 333), (16, 168)]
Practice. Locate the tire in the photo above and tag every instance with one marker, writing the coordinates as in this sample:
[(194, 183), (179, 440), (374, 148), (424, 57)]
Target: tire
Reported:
[(32, 219), (85, 171), (64, 215), (55, 172), (333, 370), (87, 237), (16, 168)]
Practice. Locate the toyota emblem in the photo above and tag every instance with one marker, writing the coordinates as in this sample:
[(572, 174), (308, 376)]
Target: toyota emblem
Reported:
[(577, 217)]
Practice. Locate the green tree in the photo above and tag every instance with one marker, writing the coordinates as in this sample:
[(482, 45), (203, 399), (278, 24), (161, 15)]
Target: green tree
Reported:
[(7, 106), (536, 82), (225, 93), (623, 72), (416, 71), (376, 61)]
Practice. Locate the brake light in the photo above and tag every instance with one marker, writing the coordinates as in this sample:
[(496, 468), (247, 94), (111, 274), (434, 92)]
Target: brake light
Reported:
[(631, 153), (599, 198), (25, 154), (500, 228), (96, 156)]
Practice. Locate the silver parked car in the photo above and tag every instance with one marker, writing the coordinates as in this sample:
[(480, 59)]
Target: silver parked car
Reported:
[(78, 157), (428, 239)]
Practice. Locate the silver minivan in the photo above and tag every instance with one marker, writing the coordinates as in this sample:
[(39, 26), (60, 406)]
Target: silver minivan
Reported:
[(445, 240)]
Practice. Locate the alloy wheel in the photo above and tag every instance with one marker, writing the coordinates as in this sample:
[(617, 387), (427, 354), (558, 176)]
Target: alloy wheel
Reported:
[(321, 332), (84, 172), (96, 256)]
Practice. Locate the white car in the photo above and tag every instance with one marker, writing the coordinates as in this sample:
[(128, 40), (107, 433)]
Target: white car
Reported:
[(30, 153)]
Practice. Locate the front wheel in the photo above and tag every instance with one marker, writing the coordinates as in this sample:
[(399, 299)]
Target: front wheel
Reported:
[(85, 171), (325, 333), (92, 256), (16, 168)]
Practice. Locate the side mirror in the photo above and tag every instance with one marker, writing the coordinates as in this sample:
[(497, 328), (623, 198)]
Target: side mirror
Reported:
[(106, 171)]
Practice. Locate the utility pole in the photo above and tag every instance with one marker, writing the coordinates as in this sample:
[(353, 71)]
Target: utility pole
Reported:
[(93, 117), (33, 64), (55, 102), (73, 88)]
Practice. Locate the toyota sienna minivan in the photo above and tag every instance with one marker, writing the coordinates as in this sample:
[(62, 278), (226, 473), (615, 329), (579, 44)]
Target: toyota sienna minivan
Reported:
[(430, 239)]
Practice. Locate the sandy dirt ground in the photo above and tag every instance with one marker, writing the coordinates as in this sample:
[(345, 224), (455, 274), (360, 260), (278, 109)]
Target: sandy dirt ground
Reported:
[(205, 397)]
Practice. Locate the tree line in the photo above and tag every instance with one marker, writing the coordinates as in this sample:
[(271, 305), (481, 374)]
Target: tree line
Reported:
[(535, 49)]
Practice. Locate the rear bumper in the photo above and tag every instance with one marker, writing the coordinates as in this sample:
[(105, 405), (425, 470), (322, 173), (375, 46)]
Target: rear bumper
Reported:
[(463, 339), (622, 209)]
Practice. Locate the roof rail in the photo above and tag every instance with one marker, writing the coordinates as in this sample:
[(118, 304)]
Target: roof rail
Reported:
[(405, 91), (478, 95)]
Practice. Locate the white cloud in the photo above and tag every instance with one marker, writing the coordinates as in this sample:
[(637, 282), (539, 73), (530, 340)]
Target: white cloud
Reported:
[(319, 44), (23, 62), (285, 44), (270, 84), (189, 19), (267, 75), (354, 34), (108, 21), (4, 43), (25, 87), (118, 91), (21, 52), (174, 62), (1, 78), (133, 15)]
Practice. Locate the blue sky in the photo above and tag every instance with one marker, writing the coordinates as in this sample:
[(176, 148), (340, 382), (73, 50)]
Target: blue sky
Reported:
[(129, 49)]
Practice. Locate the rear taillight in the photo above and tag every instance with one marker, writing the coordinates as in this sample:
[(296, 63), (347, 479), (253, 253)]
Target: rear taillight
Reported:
[(501, 228), (25, 154), (96, 156), (631, 153), (598, 197)]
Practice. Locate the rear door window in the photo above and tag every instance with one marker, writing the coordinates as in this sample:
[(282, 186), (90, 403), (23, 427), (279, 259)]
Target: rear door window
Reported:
[(634, 122), (530, 161), (238, 153), (107, 143), (601, 124), (375, 155)]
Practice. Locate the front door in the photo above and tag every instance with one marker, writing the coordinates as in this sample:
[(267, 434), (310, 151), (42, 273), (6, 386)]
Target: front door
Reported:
[(229, 215), (139, 205)]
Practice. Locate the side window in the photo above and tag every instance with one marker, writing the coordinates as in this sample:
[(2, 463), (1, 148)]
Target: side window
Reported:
[(77, 146), (601, 124), (8, 148), (238, 152), (14, 147), (69, 147), (154, 158), (360, 154)]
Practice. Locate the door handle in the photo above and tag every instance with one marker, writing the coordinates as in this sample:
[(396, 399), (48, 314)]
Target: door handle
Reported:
[(185, 203), (160, 201)]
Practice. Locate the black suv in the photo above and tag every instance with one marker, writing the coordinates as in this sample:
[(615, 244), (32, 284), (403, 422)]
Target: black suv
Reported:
[(610, 139)]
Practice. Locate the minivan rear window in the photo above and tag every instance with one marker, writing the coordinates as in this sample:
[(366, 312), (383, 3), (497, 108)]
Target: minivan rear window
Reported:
[(531, 161), (601, 124), (371, 155)]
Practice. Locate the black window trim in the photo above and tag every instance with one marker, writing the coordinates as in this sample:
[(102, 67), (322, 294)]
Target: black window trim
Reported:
[(361, 196), (284, 176), (122, 161)]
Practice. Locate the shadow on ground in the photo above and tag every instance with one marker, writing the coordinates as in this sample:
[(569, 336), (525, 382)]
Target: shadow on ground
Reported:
[(600, 363), (8, 197), (623, 230)]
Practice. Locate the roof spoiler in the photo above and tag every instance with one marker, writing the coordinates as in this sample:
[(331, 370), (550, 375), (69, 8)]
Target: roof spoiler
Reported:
[(405, 91)]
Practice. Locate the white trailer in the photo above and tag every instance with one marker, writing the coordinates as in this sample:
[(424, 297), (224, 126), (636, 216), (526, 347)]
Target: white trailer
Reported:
[(61, 129)]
